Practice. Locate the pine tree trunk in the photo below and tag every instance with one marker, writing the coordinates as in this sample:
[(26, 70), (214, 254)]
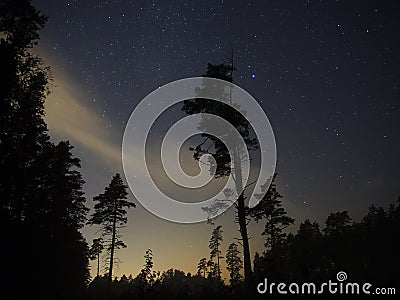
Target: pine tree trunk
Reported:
[(241, 211), (112, 249), (272, 234), (219, 272), (245, 241), (98, 264)]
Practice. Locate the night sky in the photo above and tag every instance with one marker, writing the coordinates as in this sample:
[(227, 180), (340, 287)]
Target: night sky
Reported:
[(327, 74)]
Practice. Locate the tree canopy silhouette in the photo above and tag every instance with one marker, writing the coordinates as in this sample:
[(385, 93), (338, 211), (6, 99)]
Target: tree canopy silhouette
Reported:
[(41, 198)]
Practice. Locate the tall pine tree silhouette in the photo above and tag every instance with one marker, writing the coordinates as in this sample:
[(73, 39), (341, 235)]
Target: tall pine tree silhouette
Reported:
[(221, 154), (110, 214)]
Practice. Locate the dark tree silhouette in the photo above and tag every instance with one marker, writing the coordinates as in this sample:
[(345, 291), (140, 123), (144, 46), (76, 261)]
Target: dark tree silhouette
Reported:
[(110, 214), (337, 223), (234, 264), (215, 252), (308, 231), (23, 131), (144, 282), (146, 273), (221, 154), (211, 269), (305, 252), (270, 209), (95, 251), (41, 199), (202, 267)]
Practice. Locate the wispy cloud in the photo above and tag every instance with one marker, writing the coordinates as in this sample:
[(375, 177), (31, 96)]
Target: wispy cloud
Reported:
[(68, 118)]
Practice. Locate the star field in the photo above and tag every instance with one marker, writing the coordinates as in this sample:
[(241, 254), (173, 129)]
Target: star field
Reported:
[(327, 73)]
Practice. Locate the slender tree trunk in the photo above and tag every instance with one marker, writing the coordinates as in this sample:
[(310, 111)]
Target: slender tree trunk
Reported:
[(98, 264), (241, 211), (245, 240), (272, 234), (219, 273), (112, 249)]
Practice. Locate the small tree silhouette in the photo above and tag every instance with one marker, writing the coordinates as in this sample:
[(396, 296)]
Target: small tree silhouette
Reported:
[(270, 209), (202, 267), (234, 264), (215, 252), (95, 251)]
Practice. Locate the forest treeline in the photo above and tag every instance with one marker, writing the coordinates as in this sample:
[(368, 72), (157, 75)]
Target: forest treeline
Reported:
[(367, 251), (43, 208)]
